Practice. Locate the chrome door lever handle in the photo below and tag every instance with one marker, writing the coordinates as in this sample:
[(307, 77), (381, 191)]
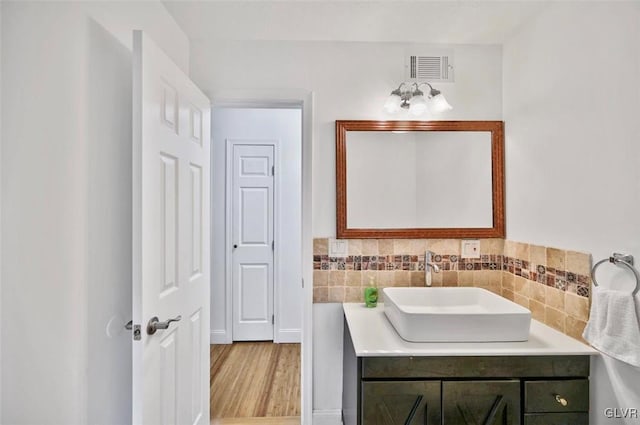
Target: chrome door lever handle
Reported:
[(155, 324)]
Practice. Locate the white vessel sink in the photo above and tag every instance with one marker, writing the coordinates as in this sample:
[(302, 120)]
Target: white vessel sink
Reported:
[(455, 315)]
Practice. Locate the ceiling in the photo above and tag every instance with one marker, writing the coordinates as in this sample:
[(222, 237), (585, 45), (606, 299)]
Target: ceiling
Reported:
[(446, 22)]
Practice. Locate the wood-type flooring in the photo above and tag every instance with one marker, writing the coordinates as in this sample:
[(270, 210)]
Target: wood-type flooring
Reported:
[(255, 383), (269, 420)]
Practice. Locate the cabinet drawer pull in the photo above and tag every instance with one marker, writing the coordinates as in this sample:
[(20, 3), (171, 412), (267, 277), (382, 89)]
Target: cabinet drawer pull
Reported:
[(563, 401)]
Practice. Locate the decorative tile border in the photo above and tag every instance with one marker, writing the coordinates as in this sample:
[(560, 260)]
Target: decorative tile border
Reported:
[(369, 262), (563, 280), (560, 278), (446, 262)]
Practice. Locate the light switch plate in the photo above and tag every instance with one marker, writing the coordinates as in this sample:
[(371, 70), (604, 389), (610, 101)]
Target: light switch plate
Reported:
[(470, 248), (338, 247)]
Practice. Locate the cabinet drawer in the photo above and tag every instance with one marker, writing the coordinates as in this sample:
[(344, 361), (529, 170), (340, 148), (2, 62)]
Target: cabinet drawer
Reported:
[(556, 419), (475, 367), (548, 396)]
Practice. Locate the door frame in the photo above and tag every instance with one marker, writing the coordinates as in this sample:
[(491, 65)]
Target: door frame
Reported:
[(280, 99), (229, 145)]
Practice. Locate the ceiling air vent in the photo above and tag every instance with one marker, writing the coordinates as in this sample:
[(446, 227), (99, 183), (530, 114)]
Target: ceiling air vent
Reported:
[(430, 68)]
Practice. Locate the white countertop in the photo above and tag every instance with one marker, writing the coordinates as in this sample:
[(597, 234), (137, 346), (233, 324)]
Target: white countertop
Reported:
[(374, 336)]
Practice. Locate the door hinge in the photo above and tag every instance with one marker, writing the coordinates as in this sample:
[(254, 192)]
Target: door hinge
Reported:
[(273, 170), (303, 283), (273, 245), (273, 319)]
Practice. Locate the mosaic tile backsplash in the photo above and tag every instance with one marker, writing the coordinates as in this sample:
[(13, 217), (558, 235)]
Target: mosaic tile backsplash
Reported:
[(553, 283)]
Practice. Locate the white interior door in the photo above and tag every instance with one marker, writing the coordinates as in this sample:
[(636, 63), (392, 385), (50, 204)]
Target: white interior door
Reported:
[(171, 122), (252, 238)]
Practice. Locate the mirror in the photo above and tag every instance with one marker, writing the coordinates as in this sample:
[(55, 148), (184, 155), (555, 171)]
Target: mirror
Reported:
[(417, 179)]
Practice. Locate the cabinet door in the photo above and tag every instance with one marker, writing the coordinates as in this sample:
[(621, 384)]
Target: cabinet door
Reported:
[(400, 403), (481, 402)]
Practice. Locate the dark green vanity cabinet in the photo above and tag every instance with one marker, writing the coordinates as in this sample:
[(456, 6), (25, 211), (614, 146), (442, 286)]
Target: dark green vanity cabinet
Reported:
[(465, 390)]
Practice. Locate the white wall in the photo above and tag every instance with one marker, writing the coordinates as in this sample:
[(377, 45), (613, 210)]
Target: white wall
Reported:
[(121, 17), (285, 127), (327, 361), (349, 81), (43, 216), (66, 186), (108, 208), (571, 102)]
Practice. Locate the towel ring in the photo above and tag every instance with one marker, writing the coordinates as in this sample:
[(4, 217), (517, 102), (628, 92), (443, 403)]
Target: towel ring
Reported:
[(623, 259)]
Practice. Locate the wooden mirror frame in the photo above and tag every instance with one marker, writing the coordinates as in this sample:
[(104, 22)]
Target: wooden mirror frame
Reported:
[(496, 128)]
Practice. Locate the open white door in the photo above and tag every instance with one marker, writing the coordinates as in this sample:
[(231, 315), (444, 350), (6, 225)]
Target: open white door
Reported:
[(171, 122)]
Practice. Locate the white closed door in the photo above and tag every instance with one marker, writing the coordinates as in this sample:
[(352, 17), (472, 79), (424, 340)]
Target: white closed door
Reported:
[(171, 123), (252, 238)]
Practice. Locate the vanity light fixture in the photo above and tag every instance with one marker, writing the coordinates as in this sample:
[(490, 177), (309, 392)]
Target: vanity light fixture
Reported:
[(409, 96)]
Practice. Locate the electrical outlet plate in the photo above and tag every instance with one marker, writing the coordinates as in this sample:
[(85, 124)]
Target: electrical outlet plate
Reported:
[(470, 248), (338, 247)]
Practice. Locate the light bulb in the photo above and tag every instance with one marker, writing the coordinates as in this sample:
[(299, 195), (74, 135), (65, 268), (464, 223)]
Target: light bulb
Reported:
[(392, 105), (418, 105), (439, 104)]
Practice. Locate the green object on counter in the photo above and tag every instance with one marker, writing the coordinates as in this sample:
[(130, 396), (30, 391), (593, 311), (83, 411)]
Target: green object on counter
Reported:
[(371, 294)]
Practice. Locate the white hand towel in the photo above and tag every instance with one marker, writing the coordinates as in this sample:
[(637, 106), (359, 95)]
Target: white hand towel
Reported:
[(614, 325)]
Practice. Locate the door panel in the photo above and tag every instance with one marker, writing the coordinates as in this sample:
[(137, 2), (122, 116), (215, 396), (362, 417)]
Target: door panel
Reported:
[(168, 210), (254, 292), (195, 124), (168, 386), (196, 221), (252, 236), (254, 216), (171, 275), (252, 166)]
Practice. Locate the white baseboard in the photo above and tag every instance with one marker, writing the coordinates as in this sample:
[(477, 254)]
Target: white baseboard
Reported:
[(327, 417), (218, 337), (291, 336)]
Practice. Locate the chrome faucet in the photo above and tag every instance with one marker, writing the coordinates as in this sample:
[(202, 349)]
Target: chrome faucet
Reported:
[(428, 266)]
